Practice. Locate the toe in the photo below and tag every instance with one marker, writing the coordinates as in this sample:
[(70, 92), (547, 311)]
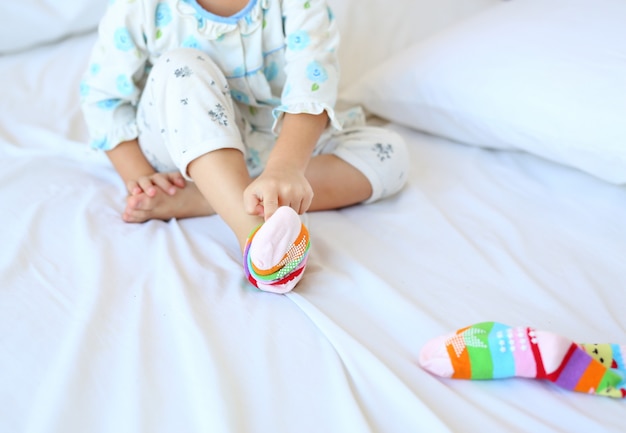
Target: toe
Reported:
[(135, 216), (434, 357)]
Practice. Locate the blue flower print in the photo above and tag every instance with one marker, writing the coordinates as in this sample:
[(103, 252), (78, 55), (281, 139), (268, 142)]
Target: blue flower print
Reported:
[(124, 85), (163, 15), (191, 42), (108, 104), (316, 73), (94, 69), (298, 40), (201, 21), (84, 89), (271, 71), (239, 96), (122, 39), (331, 15)]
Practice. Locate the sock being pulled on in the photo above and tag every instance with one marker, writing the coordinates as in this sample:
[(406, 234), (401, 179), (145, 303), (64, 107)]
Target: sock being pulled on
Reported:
[(276, 252), (492, 350)]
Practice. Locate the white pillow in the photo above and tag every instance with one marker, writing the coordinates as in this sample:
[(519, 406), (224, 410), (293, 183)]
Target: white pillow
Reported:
[(544, 76), (28, 23), (374, 30)]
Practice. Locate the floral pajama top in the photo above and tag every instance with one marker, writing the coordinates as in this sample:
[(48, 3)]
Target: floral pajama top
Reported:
[(275, 54)]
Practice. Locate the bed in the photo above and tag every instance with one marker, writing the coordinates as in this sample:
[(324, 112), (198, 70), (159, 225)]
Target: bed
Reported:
[(515, 211)]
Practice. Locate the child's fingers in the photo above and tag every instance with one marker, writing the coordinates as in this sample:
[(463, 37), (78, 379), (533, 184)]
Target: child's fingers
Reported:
[(177, 179), (253, 204), (305, 204), (250, 203), (163, 182), (270, 204), (133, 188), (146, 185)]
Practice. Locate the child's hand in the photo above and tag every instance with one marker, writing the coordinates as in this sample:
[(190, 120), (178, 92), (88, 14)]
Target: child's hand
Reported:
[(168, 182), (278, 187)]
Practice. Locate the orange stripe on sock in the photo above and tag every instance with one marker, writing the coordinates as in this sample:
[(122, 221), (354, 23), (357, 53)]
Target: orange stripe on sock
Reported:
[(591, 377), (460, 363)]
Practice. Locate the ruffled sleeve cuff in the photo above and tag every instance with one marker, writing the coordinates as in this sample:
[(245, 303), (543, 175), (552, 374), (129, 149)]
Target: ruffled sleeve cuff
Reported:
[(113, 138), (304, 108)]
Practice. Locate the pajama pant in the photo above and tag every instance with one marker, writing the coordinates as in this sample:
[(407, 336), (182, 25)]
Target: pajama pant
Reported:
[(186, 111)]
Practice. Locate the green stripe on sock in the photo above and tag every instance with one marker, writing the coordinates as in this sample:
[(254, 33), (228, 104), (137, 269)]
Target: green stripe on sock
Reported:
[(477, 343), (609, 384)]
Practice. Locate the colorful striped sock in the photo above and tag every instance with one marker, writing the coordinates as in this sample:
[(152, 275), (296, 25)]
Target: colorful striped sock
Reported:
[(492, 350), (276, 252), (609, 355)]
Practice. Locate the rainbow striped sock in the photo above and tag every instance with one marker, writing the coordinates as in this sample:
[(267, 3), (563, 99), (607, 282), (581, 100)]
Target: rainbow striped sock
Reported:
[(276, 252), (492, 350), (609, 355)]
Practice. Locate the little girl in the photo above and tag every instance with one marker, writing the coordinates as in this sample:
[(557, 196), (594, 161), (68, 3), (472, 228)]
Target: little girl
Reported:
[(227, 107)]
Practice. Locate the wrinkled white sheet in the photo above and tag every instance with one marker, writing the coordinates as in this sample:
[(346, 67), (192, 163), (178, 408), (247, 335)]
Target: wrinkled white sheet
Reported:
[(113, 327)]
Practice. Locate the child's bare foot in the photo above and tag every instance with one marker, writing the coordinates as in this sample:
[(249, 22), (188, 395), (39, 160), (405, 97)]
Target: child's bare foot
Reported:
[(187, 202)]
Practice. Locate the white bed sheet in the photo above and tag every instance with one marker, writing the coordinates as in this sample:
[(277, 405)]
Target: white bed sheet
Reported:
[(107, 326)]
